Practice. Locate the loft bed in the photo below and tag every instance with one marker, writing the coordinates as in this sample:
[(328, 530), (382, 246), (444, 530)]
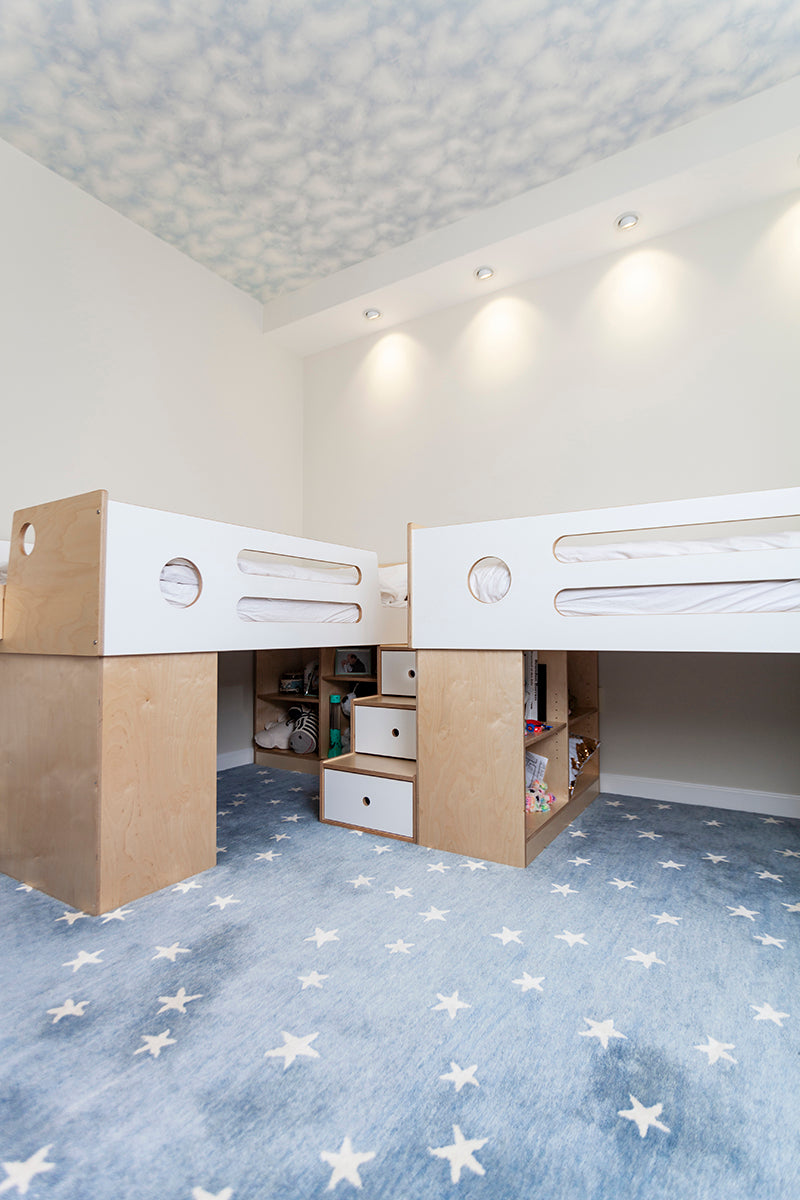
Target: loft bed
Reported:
[(673, 576), (111, 618), (715, 574)]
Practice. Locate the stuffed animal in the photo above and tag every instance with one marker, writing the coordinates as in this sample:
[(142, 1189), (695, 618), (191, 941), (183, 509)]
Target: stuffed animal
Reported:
[(275, 735)]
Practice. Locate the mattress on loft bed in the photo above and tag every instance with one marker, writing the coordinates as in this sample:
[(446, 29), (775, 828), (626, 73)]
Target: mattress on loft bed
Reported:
[(179, 586)]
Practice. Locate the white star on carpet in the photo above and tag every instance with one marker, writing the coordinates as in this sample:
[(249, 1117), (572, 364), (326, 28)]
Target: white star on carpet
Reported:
[(188, 885), (461, 1075), (399, 947), (345, 1163), (294, 817), (294, 1047), (646, 960), (652, 836), (72, 917), (577, 833), (675, 866), (791, 907), (321, 936), (178, 1001), (602, 1030), (461, 1154), (628, 817), (435, 914), (449, 1004), (717, 1050), (613, 803), (644, 1118), (580, 862), (362, 881), (508, 935), (200, 1193), (314, 979), (741, 911), (771, 821), (572, 939), (663, 806), (527, 982), (665, 919), (475, 866), (767, 939), (440, 867), (170, 952), (716, 823), (769, 875), (563, 889), (20, 1174), (84, 957), (268, 856), (25, 887), (155, 1043), (397, 892), (789, 853), (765, 1012), (70, 1009), (223, 902), (715, 858), (381, 849), (619, 884), (279, 837)]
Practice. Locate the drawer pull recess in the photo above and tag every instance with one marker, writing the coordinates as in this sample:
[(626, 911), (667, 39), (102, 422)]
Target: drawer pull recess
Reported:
[(365, 800)]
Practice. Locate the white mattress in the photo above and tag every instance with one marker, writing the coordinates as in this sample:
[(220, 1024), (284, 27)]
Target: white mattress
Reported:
[(490, 583)]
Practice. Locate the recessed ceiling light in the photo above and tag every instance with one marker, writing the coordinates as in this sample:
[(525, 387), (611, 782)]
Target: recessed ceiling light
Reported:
[(627, 220), (483, 272), (372, 314)]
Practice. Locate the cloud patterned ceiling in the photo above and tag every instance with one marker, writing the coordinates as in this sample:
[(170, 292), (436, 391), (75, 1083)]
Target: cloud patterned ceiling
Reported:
[(279, 141)]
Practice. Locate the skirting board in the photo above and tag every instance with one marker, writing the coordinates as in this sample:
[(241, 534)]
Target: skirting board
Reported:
[(773, 804), (234, 758)]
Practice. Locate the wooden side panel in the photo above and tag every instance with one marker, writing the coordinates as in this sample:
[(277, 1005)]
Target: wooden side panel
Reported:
[(54, 596), (158, 773), (49, 755), (470, 756)]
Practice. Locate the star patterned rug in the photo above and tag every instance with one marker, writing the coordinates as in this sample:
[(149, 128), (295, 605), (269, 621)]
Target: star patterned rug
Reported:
[(328, 1012)]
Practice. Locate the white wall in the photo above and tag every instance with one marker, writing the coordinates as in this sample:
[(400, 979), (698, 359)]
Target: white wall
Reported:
[(668, 370), (129, 367)]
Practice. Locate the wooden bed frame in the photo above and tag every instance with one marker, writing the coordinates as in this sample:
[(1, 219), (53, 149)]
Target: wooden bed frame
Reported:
[(108, 694)]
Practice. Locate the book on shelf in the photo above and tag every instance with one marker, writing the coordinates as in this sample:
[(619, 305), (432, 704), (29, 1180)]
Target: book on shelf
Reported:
[(535, 767), (531, 681)]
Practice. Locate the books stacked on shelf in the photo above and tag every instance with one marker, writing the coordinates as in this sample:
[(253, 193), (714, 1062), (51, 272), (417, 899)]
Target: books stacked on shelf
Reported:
[(535, 687)]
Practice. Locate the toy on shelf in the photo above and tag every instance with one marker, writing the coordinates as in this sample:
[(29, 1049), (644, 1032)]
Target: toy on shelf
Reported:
[(537, 798)]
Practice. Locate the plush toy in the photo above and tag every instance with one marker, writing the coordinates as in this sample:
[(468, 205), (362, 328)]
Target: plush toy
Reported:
[(537, 798), (275, 735)]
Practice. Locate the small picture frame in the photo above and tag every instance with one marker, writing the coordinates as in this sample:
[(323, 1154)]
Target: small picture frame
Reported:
[(353, 660)]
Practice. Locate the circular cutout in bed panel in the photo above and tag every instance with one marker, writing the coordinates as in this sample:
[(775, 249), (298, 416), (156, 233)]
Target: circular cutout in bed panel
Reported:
[(27, 535), (489, 579), (181, 583)]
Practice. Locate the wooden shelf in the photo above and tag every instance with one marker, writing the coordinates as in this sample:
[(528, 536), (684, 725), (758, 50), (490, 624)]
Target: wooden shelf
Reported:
[(580, 714), (350, 678), (532, 738), (373, 764), (291, 697), (285, 753)]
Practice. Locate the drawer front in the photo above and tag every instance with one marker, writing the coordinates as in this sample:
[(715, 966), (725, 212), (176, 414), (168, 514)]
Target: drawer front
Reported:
[(386, 731), (398, 673), (370, 801)]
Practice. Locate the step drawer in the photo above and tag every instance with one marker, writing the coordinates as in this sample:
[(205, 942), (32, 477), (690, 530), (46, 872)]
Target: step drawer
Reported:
[(398, 676), (387, 731), (369, 801)]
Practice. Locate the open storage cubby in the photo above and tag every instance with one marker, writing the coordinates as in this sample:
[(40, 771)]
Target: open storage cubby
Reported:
[(472, 744), (271, 704)]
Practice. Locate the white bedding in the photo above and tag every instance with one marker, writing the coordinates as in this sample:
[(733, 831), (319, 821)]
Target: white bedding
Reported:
[(490, 583)]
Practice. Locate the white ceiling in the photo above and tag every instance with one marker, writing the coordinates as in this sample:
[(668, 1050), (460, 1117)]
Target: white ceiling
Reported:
[(326, 154)]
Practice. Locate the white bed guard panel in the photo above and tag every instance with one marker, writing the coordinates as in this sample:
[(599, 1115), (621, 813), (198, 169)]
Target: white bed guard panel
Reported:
[(446, 615), (92, 583)]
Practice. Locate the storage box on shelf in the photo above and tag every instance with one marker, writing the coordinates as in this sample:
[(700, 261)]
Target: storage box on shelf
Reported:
[(471, 750), (373, 788), (273, 704)]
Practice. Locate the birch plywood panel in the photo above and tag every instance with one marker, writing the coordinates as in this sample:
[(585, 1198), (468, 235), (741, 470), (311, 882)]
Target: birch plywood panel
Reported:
[(471, 790), (49, 748), (54, 600), (158, 772)]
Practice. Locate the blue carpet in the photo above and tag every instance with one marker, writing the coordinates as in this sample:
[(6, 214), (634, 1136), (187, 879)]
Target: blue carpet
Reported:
[(324, 1011)]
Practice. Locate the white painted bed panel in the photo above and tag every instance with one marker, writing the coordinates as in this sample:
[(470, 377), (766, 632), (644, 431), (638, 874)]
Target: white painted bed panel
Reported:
[(138, 620), (446, 615)]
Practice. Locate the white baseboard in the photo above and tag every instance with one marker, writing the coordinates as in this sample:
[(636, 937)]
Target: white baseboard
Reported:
[(234, 758), (773, 804)]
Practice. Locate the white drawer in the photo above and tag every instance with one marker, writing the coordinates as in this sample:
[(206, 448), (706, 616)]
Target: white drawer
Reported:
[(398, 673), (379, 729), (369, 801)]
